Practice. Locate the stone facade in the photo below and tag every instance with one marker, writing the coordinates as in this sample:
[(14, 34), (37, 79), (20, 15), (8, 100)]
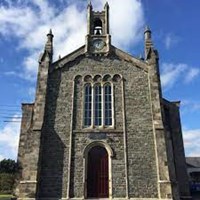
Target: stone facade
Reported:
[(144, 143)]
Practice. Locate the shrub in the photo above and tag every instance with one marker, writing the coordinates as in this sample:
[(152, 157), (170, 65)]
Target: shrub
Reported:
[(6, 183)]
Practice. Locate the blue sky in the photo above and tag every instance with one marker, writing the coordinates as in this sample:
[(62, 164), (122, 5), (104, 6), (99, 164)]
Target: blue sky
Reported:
[(176, 34)]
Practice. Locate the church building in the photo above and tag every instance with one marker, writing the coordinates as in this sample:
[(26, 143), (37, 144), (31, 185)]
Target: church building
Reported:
[(99, 127)]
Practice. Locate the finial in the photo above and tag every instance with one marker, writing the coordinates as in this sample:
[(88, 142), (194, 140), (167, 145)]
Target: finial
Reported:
[(106, 5), (50, 32), (50, 35), (147, 33), (89, 4), (147, 29), (59, 57)]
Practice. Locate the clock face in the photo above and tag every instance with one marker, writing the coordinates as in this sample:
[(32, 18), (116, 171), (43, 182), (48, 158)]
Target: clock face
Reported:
[(98, 44)]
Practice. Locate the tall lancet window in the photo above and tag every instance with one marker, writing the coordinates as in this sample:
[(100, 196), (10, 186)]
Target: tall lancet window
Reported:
[(108, 105), (88, 105), (97, 105)]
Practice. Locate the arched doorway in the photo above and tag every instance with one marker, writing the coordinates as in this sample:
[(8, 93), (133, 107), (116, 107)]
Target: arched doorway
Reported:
[(97, 173)]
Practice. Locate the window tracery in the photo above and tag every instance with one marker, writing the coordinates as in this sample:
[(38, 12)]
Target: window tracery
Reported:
[(99, 101)]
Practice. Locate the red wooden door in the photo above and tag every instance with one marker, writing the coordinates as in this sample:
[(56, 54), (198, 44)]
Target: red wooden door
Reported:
[(97, 173)]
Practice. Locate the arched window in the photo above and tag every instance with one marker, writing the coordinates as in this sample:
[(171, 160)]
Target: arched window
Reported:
[(97, 27), (108, 104), (97, 173), (97, 105), (99, 101), (88, 105)]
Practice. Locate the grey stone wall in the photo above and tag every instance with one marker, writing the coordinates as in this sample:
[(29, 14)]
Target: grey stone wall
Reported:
[(173, 126), (28, 155), (80, 141), (142, 177), (141, 149), (165, 186), (55, 137), (61, 170)]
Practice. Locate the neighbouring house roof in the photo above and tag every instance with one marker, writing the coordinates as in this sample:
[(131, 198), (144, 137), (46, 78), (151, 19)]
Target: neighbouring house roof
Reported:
[(193, 162)]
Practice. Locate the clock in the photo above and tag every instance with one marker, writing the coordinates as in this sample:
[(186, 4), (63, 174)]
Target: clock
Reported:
[(98, 44)]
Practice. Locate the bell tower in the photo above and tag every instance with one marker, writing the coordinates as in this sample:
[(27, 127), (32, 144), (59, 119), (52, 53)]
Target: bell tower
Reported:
[(98, 39)]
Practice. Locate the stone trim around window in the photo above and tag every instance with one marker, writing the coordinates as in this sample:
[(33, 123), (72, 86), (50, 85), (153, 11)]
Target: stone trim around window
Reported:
[(106, 116)]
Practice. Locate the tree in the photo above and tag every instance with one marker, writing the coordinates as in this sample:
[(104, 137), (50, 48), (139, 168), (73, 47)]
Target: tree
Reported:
[(8, 166), (8, 172), (7, 182)]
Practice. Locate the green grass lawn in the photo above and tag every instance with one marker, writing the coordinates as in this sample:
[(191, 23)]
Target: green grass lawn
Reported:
[(5, 196)]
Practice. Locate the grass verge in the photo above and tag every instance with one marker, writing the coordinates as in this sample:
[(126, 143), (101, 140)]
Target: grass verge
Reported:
[(5, 196)]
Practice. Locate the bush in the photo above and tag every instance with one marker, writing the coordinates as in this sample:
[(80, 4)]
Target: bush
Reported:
[(6, 183), (8, 171)]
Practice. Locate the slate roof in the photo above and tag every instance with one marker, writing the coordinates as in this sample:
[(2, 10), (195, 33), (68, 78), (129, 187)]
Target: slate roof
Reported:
[(193, 162)]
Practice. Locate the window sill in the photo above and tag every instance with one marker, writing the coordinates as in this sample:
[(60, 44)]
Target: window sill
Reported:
[(98, 130)]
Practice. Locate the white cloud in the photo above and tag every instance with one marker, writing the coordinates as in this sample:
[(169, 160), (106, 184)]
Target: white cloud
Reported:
[(127, 21), (171, 40), (16, 21), (31, 92), (194, 72), (172, 73), (9, 138), (1, 157), (10, 73), (29, 21), (190, 106), (191, 142)]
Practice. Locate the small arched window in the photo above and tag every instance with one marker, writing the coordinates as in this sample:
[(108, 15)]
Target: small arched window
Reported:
[(108, 104), (88, 105), (97, 105), (97, 27)]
